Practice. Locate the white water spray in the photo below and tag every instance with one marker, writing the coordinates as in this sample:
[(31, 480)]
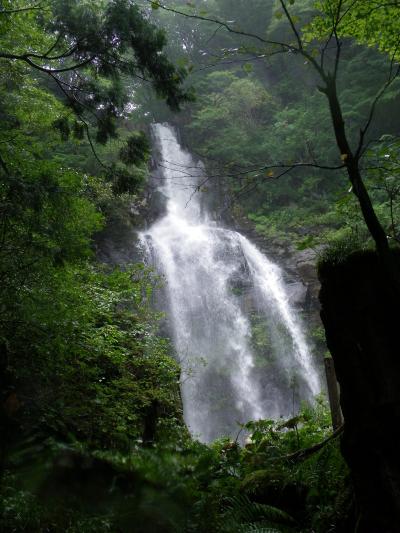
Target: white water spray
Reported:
[(220, 288)]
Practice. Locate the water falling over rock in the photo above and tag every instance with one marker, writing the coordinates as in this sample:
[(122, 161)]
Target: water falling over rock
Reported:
[(242, 349)]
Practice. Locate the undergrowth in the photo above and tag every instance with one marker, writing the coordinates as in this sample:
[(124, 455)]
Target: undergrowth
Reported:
[(181, 485)]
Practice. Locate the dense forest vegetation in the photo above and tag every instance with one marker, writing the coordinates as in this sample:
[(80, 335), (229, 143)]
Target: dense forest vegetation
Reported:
[(293, 106)]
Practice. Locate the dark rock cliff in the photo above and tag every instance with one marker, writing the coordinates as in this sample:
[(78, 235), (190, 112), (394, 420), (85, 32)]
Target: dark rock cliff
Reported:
[(360, 313)]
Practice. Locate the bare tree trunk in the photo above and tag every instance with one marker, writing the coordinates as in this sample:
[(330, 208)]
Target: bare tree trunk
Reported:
[(358, 187)]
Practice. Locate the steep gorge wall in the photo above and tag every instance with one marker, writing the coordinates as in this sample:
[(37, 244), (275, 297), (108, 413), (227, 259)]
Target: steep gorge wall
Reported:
[(360, 314)]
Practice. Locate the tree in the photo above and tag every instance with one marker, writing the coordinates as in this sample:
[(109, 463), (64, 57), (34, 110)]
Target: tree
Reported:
[(359, 294), (62, 64), (87, 49), (63, 73), (320, 43)]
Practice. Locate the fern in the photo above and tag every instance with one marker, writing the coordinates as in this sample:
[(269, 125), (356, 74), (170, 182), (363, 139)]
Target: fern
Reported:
[(258, 528), (241, 515)]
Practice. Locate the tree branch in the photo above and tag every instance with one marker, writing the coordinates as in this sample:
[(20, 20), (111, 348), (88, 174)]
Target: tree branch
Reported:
[(63, 55), (20, 9), (85, 124), (292, 25), (306, 452), (26, 59), (382, 91), (284, 46), (223, 24), (286, 167), (54, 45)]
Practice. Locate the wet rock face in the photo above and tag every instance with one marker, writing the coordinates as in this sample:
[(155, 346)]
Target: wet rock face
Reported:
[(298, 293), (305, 262), (115, 244), (360, 313), (299, 267)]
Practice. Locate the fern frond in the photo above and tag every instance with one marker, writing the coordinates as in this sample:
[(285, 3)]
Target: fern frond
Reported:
[(241, 515)]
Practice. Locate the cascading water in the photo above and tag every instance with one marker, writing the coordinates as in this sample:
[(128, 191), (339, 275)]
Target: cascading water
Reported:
[(242, 350)]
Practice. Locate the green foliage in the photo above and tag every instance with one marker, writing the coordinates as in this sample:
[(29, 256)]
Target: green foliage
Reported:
[(90, 402), (107, 363), (368, 22), (228, 118), (82, 366), (103, 39), (316, 481), (136, 151), (178, 485), (243, 515), (87, 55), (338, 250), (249, 120)]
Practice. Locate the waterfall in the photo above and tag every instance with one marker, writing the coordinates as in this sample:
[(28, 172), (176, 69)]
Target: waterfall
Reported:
[(241, 347)]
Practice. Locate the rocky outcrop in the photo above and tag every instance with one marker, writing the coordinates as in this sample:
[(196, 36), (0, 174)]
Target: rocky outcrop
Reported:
[(116, 244), (299, 266), (360, 313)]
